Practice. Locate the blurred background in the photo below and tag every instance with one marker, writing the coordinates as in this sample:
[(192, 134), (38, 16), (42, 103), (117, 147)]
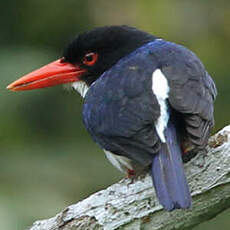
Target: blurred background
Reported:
[(47, 159)]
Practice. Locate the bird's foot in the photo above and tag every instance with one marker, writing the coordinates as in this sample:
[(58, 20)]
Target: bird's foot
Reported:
[(136, 175), (199, 160), (131, 175), (188, 151)]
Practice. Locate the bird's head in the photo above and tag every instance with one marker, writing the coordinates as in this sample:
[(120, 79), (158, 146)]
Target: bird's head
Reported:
[(86, 57)]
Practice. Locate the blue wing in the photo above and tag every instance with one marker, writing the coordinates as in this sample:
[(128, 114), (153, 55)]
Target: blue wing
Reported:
[(120, 111), (121, 104)]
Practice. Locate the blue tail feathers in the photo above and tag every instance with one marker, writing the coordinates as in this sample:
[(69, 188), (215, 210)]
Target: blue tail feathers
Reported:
[(168, 173)]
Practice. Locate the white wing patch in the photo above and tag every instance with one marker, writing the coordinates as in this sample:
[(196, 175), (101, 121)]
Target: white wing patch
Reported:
[(160, 88), (80, 87)]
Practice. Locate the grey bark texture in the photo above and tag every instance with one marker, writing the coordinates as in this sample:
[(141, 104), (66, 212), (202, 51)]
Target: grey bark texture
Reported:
[(130, 205)]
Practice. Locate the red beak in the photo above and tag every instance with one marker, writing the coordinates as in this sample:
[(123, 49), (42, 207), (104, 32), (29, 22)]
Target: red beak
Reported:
[(55, 73)]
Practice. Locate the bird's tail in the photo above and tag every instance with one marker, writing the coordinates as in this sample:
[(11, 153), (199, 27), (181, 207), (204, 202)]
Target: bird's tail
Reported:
[(168, 173)]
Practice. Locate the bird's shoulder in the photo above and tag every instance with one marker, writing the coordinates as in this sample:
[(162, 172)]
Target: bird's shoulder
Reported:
[(123, 96), (132, 76)]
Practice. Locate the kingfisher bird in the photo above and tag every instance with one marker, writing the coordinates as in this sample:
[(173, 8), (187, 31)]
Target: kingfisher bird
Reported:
[(148, 102)]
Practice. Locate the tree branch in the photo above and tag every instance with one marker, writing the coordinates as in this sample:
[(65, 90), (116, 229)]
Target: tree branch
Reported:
[(134, 206)]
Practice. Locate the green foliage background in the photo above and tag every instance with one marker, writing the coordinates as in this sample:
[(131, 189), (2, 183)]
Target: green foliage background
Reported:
[(47, 159)]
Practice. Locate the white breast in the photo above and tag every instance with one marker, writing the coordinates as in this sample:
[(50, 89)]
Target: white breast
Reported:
[(161, 89)]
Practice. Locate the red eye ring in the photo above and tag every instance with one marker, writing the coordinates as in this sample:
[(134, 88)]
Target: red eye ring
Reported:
[(90, 59)]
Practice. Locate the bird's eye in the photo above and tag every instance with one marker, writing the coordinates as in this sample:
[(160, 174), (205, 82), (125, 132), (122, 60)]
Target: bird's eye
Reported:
[(90, 59)]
